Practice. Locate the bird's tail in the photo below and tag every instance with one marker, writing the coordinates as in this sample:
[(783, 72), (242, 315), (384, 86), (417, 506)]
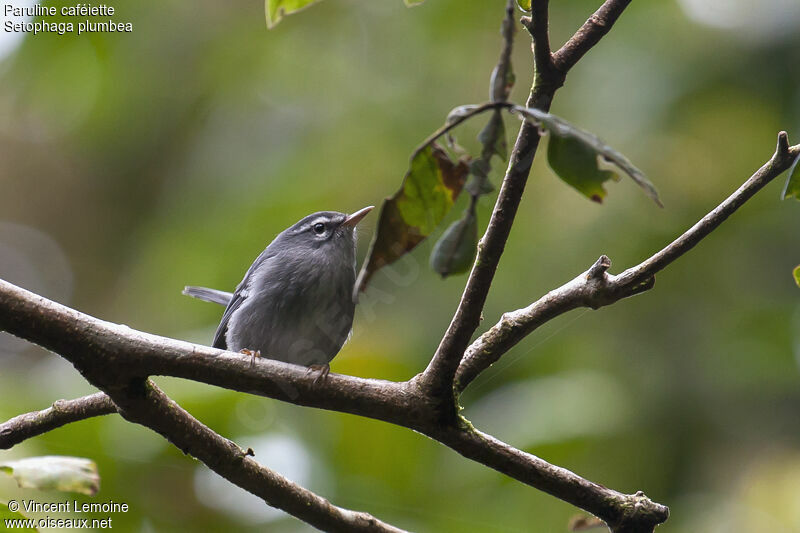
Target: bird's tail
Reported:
[(208, 295)]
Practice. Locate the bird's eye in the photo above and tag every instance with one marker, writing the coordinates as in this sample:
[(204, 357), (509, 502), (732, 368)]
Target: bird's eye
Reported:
[(319, 228)]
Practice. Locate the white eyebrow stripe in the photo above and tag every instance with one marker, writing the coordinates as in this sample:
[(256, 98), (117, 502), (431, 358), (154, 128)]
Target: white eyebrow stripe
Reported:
[(309, 225)]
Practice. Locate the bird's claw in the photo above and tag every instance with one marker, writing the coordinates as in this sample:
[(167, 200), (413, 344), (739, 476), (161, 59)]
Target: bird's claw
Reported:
[(252, 354), (323, 370)]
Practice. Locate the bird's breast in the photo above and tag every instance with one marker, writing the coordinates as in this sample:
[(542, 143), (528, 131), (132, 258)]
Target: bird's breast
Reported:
[(301, 315)]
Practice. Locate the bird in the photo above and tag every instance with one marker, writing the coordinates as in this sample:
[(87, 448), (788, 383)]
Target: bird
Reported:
[(295, 303)]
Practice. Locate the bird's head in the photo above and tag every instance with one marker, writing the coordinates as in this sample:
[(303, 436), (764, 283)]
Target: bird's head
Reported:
[(326, 233)]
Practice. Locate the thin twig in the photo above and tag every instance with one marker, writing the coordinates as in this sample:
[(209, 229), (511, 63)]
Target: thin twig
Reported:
[(62, 412), (622, 512), (538, 25), (457, 119), (589, 34), (501, 80), (596, 288), (780, 162)]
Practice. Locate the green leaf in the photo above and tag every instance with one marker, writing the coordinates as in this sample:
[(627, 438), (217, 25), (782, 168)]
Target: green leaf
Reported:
[(8, 514), (524, 5), (455, 250), (585, 175), (55, 472), (429, 189), (576, 164), (277, 9), (792, 187), (796, 273)]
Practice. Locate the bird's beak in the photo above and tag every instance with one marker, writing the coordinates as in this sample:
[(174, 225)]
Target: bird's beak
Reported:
[(356, 217)]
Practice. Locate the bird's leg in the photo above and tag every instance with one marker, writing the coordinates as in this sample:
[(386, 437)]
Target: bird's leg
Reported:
[(251, 353), (323, 370)]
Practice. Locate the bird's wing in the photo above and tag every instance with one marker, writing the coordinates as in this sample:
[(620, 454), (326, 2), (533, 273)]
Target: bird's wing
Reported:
[(219, 336), (238, 298)]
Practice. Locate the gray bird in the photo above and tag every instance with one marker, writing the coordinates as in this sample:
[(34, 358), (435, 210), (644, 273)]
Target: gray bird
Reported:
[(295, 303)]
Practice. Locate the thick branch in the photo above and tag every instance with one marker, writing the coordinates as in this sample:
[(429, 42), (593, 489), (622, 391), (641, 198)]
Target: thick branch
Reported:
[(124, 352), (115, 358), (112, 357), (144, 403), (439, 376), (596, 288), (62, 412), (608, 504)]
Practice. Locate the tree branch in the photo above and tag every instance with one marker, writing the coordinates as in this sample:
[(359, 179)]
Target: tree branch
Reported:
[(596, 288), (84, 341), (438, 378), (143, 403), (589, 34), (622, 512), (118, 359), (781, 160), (538, 25), (62, 412), (456, 117), (112, 357)]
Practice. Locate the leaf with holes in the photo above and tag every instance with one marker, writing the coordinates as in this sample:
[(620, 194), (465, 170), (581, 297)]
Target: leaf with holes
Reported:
[(55, 472), (595, 162), (455, 250), (792, 187), (429, 189)]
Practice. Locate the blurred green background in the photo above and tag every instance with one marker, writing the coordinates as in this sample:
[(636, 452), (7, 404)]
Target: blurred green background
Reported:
[(133, 164)]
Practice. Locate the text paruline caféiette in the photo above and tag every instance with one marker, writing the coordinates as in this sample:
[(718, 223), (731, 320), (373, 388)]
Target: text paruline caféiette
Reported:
[(35, 19), (77, 10)]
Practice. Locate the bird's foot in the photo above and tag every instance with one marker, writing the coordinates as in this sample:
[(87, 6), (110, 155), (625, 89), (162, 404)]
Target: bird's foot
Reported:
[(251, 353), (323, 370)]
